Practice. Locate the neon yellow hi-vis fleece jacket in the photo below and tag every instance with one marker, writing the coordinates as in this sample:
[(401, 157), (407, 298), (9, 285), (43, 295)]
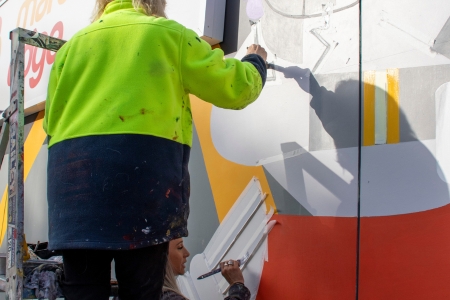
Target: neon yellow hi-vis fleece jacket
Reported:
[(119, 122), (129, 73)]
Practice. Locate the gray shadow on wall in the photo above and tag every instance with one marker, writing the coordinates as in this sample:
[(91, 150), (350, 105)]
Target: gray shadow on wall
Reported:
[(203, 219), (395, 179)]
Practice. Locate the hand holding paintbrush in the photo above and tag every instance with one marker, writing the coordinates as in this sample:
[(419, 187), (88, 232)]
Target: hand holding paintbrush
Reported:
[(224, 265)]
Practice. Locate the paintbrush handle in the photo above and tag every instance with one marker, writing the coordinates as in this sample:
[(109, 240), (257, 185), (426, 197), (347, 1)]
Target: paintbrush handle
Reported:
[(215, 271)]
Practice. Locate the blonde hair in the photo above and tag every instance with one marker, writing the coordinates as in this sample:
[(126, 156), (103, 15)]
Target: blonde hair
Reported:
[(150, 7), (170, 282)]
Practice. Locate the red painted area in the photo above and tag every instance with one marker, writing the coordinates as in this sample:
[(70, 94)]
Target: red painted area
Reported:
[(310, 258), (406, 256)]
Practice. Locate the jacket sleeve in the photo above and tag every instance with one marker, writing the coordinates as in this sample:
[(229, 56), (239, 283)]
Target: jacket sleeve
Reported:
[(226, 83), (238, 291), (52, 83)]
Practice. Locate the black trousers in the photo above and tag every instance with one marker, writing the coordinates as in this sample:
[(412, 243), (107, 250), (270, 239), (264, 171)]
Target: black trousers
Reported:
[(140, 273)]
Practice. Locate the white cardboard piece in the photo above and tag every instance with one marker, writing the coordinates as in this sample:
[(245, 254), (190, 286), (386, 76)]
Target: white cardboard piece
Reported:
[(244, 229)]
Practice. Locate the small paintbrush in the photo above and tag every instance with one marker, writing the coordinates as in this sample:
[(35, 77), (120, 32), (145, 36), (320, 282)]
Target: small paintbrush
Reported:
[(218, 270)]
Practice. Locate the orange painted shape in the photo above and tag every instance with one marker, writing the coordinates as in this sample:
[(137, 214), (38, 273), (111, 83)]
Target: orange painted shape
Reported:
[(3, 214), (369, 109), (311, 258), (33, 143), (227, 179), (393, 107), (406, 256)]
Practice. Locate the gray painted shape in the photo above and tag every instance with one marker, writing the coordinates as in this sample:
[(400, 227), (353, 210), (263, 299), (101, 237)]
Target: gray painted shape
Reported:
[(285, 203), (203, 219), (36, 208), (417, 89), (284, 36), (334, 110), (442, 41), (310, 180), (401, 178), (244, 24)]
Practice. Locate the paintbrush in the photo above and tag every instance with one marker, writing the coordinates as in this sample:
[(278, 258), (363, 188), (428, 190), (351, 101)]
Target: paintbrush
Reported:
[(241, 262)]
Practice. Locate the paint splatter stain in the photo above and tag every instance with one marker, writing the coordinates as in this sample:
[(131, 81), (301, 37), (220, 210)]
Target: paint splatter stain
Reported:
[(167, 193), (175, 137), (146, 230), (198, 39), (168, 232), (122, 118)]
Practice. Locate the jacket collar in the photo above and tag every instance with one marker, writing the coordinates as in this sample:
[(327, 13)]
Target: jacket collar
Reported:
[(119, 5)]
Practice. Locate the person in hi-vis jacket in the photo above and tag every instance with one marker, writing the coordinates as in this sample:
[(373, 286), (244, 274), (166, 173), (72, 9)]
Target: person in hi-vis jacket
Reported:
[(119, 122)]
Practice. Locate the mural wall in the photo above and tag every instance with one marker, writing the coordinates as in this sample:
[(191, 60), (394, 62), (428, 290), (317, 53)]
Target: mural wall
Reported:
[(335, 179), (404, 156)]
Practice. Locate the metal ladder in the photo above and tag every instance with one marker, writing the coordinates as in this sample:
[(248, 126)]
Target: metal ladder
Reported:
[(13, 131)]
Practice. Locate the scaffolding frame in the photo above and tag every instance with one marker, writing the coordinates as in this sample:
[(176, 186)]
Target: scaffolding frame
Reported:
[(13, 132)]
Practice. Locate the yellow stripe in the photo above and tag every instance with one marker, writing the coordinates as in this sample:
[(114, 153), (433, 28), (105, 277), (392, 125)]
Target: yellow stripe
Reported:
[(393, 110), (3, 214), (369, 108), (32, 146)]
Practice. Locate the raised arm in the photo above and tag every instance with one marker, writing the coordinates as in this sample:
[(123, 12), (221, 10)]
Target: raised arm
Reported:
[(226, 83)]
